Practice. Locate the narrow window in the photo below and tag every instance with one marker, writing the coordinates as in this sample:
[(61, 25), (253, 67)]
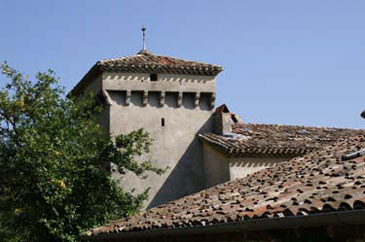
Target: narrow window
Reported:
[(153, 77), (163, 122)]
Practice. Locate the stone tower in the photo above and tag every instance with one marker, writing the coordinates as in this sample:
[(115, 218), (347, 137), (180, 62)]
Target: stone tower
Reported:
[(173, 99)]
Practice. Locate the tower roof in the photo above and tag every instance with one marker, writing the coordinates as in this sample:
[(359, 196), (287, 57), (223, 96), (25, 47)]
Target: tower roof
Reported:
[(146, 62)]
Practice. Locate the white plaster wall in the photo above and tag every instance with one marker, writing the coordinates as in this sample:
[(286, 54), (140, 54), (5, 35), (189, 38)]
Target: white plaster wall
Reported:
[(219, 168), (94, 87), (174, 145), (216, 166), (241, 167)]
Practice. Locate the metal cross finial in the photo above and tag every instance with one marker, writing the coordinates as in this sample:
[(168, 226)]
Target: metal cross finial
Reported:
[(144, 50), (144, 38)]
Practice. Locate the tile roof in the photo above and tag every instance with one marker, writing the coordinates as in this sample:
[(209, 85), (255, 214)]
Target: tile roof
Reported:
[(269, 139), (145, 62), (320, 182)]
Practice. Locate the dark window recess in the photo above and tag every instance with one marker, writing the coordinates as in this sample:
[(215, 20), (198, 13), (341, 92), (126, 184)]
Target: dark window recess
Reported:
[(153, 77), (163, 122)]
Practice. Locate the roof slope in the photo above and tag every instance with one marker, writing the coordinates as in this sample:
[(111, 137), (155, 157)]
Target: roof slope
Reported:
[(319, 182), (269, 139), (147, 63)]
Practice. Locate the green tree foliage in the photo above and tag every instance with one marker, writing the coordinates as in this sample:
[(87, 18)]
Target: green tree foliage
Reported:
[(55, 162)]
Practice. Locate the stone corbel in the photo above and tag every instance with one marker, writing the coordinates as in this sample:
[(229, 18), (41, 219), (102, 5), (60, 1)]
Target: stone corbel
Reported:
[(106, 96), (128, 98), (212, 100), (162, 99), (197, 98), (179, 99), (145, 98)]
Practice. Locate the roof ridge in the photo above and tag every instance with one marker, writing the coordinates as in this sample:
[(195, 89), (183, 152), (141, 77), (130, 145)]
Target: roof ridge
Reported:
[(273, 139), (158, 55), (299, 126), (118, 58), (183, 59)]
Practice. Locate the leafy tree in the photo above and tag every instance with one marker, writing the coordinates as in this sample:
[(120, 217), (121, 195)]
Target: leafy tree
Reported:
[(55, 162)]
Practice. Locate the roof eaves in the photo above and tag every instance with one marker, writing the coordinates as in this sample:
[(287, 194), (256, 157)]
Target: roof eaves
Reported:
[(237, 151), (352, 217), (92, 73)]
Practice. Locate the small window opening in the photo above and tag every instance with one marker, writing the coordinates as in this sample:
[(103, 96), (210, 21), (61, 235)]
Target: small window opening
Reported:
[(153, 77), (163, 122)]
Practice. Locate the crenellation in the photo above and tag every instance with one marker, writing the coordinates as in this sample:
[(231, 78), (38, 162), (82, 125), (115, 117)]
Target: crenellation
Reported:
[(202, 100), (145, 98), (153, 99), (188, 100), (137, 98), (197, 99), (171, 99), (212, 100), (106, 97), (179, 99), (162, 99), (117, 97), (128, 98)]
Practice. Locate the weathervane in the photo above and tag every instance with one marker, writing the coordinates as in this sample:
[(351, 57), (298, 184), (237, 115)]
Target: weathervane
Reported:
[(144, 38), (144, 47)]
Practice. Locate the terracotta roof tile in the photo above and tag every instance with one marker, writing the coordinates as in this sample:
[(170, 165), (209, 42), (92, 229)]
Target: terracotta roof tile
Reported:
[(319, 182), (269, 139), (147, 63)]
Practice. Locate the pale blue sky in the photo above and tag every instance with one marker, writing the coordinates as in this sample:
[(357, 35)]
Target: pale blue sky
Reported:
[(286, 62)]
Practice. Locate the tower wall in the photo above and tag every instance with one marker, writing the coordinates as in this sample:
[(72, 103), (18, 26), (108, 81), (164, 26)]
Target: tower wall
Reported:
[(173, 110)]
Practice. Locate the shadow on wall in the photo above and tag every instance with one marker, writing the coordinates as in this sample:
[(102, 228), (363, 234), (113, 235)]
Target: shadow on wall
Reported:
[(187, 176), (119, 98)]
